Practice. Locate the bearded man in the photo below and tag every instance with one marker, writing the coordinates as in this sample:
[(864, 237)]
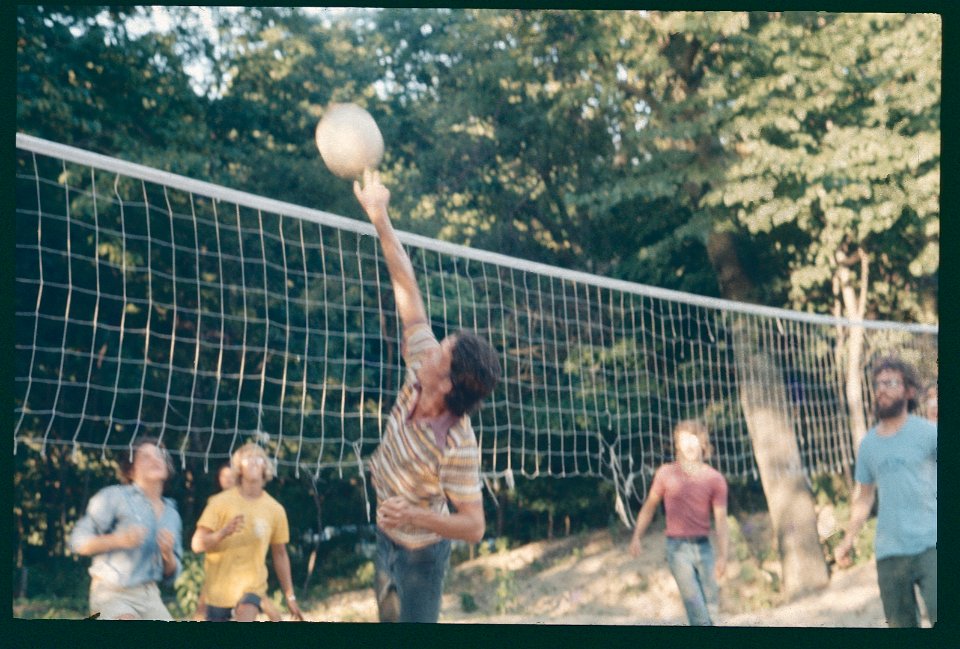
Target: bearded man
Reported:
[(898, 459)]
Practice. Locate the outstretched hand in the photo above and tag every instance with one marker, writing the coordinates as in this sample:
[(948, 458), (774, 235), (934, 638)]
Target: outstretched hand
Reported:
[(373, 195)]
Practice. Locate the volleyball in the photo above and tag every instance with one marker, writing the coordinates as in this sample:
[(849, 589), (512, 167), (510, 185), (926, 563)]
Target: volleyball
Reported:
[(349, 140)]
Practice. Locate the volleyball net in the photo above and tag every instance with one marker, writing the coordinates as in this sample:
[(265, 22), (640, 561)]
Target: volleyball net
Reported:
[(153, 304)]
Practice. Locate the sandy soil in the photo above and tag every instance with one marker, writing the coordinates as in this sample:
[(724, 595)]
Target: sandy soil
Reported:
[(592, 579)]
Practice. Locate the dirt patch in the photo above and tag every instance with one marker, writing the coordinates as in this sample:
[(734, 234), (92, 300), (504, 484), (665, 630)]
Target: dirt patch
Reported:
[(592, 579)]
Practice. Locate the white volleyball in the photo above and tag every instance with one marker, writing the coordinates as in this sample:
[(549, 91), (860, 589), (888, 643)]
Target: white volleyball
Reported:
[(349, 140)]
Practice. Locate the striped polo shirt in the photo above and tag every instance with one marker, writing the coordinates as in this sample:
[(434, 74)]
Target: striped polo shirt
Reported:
[(410, 463)]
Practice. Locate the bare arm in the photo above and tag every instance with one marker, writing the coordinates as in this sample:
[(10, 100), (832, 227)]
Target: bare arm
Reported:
[(281, 564), (864, 497), (374, 197), (644, 519), (723, 539), (467, 523), (205, 539)]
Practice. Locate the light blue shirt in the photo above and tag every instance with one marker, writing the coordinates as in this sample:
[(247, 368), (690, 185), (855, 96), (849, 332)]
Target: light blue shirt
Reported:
[(116, 508), (904, 468)]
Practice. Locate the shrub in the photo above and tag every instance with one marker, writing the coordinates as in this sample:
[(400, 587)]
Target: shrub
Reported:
[(505, 592), (188, 585)]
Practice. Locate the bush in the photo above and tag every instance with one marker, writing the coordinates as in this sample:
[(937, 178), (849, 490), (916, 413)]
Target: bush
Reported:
[(66, 577), (506, 591), (56, 588), (50, 608), (188, 585)]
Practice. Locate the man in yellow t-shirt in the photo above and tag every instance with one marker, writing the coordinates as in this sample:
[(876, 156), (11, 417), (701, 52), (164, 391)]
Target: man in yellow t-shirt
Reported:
[(235, 530)]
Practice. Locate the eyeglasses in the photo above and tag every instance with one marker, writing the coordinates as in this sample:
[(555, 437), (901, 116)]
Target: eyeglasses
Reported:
[(889, 383)]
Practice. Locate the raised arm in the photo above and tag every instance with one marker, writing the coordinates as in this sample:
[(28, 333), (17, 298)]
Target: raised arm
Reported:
[(374, 197)]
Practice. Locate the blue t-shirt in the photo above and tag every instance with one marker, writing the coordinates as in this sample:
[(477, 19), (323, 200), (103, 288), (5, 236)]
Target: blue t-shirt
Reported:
[(116, 508), (904, 468)]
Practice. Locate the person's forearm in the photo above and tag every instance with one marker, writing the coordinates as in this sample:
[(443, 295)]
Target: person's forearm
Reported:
[(402, 277), (97, 545), (281, 564), (723, 538), (205, 540), (462, 526), (858, 517), (169, 563), (644, 518)]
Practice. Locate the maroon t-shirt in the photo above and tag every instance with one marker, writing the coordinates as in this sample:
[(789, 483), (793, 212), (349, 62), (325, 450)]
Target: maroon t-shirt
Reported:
[(689, 500)]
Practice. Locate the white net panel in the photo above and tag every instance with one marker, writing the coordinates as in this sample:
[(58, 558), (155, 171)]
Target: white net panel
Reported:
[(152, 304)]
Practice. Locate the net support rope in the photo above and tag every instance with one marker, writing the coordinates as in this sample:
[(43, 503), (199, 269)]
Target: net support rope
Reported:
[(151, 303)]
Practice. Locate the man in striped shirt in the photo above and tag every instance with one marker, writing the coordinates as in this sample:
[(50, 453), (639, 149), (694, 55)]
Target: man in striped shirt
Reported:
[(428, 458)]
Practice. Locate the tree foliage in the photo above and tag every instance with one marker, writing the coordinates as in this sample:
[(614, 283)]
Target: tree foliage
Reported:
[(610, 141)]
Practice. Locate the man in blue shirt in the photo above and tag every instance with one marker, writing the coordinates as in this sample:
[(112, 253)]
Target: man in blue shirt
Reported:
[(134, 535), (898, 459)]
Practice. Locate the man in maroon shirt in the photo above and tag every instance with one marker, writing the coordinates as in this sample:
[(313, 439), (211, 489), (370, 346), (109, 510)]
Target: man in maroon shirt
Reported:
[(690, 490)]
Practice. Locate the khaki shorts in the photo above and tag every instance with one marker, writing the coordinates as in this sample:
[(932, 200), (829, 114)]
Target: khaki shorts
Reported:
[(143, 601)]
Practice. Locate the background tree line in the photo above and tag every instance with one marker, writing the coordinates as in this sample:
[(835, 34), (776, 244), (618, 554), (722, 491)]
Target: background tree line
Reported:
[(788, 159)]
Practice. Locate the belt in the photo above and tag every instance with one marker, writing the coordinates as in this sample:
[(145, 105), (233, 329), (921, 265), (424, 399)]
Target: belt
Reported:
[(690, 539)]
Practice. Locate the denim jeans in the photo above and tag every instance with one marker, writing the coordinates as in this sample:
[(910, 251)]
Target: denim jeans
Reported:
[(897, 576), (409, 583), (691, 563)]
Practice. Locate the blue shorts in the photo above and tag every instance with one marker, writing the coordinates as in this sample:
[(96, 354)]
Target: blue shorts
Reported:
[(224, 614)]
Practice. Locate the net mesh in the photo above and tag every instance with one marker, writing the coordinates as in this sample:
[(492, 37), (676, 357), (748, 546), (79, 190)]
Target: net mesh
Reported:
[(150, 304)]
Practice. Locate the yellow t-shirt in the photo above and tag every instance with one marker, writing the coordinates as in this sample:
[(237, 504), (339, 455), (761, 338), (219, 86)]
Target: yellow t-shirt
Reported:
[(238, 564)]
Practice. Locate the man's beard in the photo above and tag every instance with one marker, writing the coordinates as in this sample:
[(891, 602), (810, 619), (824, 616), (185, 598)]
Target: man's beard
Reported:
[(890, 411)]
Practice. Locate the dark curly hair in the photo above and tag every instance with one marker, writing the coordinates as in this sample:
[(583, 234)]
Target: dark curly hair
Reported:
[(906, 371), (474, 372)]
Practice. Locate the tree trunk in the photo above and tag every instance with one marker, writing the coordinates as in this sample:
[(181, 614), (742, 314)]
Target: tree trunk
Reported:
[(854, 308), (763, 397)]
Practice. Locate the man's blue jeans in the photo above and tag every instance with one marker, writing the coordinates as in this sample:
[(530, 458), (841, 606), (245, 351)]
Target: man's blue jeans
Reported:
[(691, 562), (409, 583)]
